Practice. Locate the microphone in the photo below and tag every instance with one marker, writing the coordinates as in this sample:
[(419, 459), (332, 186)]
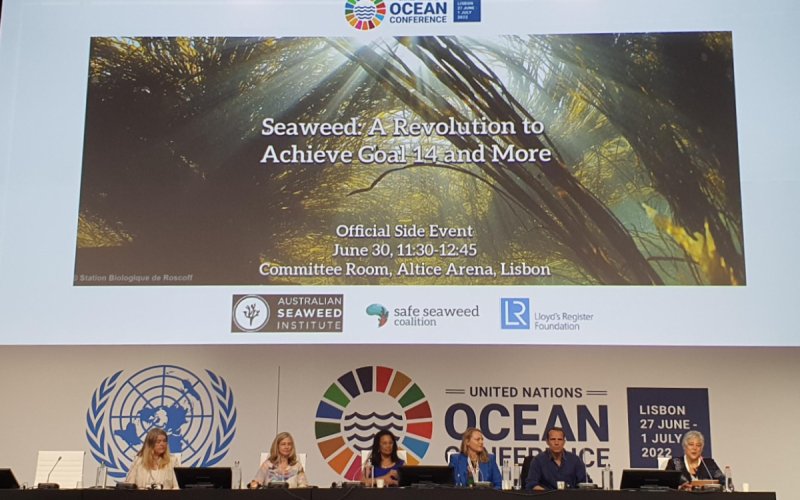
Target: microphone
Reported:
[(54, 468), (47, 485), (585, 471), (481, 482), (710, 476), (709, 487), (585, 485)]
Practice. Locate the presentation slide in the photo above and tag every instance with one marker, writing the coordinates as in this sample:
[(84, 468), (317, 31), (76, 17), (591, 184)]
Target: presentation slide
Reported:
[(398, 171)]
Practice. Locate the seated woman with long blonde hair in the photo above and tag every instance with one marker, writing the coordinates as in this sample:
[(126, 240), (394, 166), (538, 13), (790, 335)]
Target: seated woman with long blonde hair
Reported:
[(153, 467), (282, 466)]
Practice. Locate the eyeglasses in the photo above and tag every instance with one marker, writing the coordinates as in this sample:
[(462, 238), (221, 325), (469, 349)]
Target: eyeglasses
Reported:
[(556, 439)]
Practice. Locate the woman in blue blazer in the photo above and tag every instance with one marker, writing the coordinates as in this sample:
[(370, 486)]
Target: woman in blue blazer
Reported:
[(474, 464)]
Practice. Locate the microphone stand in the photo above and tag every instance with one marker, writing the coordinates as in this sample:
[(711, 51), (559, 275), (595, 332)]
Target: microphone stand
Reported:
[(585, 485), (48, 485)]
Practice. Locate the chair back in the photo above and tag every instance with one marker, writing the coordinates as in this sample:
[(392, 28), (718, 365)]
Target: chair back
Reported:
[(67, 473)]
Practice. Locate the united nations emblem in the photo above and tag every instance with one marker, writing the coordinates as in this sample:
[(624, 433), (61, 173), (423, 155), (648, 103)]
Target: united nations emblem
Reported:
[(200, 423)]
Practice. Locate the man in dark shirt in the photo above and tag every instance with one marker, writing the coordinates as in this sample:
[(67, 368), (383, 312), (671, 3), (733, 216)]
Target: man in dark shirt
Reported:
[(556, 464)]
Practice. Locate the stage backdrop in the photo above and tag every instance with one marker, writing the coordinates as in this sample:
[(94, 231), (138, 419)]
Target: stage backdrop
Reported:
[(620, 406)]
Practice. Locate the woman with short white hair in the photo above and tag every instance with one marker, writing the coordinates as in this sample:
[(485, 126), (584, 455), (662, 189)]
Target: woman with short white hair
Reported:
[(692, 465)]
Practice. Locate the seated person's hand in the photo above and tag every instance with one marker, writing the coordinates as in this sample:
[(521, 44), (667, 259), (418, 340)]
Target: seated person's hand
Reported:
[(390, 479), (253, 485), (686, 487)]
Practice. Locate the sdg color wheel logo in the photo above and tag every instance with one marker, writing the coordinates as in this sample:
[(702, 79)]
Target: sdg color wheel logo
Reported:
[(364, 15), (200, 422), (364, 401)]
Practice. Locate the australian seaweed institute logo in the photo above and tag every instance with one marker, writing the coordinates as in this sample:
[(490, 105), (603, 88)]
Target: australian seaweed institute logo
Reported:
[(364, 401), (287, 313), (365, 15)]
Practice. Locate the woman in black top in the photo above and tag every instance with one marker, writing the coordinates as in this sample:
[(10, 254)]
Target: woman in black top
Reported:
[(692, 465)]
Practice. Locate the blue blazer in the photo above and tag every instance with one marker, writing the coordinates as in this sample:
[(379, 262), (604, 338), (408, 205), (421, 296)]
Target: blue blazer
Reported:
[(489, 471)]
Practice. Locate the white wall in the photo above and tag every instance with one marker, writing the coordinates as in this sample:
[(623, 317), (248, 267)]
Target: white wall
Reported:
[(753, 395)]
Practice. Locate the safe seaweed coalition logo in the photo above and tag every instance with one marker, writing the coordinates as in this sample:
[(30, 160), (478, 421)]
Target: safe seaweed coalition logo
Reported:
[(200, 423), (381, 312), (364, 401), (364, 15)]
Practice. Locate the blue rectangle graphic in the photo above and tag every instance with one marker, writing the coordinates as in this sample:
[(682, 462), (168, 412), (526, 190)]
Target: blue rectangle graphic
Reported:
[(515, 314), (659, 417), (467, 11)]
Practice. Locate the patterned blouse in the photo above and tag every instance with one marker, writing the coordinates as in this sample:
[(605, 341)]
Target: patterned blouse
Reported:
[(707, 470), (271, 473)]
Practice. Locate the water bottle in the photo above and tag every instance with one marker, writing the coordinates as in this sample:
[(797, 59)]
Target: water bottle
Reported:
[(237, 476), (506, 474), (369, 475), (102, 475), (516, 476), (728, 479), (608, 478)]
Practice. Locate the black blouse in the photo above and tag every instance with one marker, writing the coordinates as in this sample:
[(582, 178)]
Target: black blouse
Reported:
[(707, 471)]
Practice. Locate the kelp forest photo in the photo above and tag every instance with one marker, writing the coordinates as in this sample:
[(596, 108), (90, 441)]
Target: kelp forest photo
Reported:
[(636, 183)]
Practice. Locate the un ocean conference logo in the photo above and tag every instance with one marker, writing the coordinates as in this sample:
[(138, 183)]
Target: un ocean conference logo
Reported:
[(364, 15), (200, 423), (364, 401)]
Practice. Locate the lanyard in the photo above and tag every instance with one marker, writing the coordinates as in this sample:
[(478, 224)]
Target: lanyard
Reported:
[(475, 471)]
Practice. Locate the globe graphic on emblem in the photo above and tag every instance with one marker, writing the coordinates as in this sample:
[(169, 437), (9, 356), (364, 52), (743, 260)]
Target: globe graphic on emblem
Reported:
[(169, 398), (365, 10)]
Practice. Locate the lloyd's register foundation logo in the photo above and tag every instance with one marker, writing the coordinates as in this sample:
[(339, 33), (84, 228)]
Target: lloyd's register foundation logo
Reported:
[(515, 314), (364, 401), (200, 422), (287, 313)]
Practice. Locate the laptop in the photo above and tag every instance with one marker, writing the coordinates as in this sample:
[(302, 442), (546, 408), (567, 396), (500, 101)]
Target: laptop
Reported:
[(7, 480), (650, 479), (218, 478), (410, 475)]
